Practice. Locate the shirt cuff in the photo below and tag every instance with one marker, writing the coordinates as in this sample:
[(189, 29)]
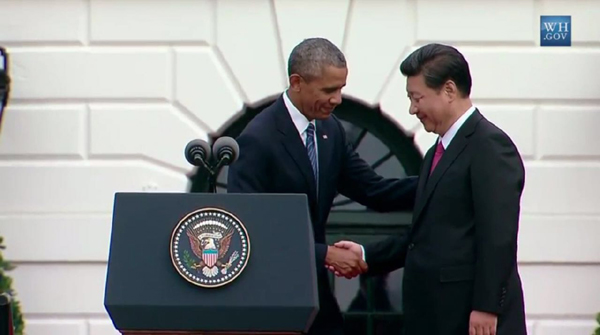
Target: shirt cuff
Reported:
[(364, 257)]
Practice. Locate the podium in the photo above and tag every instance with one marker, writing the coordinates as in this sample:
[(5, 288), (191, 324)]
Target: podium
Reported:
[(199, 263)]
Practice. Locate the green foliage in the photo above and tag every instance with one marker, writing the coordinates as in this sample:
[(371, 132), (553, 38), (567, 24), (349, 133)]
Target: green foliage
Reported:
[(597, 332), (187, 259), (6, 287)]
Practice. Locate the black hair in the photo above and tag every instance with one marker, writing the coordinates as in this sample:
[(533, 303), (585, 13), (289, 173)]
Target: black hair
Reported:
[(439, 63), (310, 56)]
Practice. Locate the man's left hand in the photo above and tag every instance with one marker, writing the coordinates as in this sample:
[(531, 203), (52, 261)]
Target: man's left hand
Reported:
[(482, 323)]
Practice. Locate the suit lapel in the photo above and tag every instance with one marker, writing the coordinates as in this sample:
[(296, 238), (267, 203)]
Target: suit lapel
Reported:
[(293, 145), (324, 149), (427, 161), (456, 147)]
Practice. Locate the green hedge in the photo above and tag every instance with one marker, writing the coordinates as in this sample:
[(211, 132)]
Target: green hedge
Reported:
[(6, 287)]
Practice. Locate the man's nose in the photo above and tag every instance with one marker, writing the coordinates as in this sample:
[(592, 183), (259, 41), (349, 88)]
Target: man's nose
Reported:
[(336, 99), (412, 109)]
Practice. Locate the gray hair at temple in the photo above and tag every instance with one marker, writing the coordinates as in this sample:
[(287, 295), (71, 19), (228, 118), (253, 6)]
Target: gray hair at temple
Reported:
[(308, 58)]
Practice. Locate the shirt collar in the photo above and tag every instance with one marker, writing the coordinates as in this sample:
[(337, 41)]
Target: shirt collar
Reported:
[(449, 135), (299, 120)]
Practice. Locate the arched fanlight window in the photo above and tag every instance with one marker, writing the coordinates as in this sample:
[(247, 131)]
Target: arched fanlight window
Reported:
[(371, 305), (375, 137)]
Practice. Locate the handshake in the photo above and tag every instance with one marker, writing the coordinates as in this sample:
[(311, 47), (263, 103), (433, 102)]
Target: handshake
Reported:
[(345, 259)]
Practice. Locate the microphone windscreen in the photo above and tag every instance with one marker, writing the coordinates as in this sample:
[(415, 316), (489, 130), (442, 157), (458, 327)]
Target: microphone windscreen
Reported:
[(194, 147), (229, 144)]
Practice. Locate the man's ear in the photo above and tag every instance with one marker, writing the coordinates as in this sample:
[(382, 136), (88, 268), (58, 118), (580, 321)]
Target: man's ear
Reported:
[(295, 82), (451, 90)]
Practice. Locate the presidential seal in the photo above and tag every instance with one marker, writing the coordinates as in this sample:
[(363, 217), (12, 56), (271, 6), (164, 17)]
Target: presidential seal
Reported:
[(210, 247)]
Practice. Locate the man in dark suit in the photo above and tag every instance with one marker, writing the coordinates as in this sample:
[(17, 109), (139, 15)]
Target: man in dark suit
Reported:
[(296, 145), (460, 254)]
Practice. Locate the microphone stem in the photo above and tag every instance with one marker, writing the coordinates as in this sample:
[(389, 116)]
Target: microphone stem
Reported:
[(212, 183), (210, 171), (212, 179), (221, 162)]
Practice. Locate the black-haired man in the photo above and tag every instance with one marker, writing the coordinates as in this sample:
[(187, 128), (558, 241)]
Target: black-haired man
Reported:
[(460, 255)]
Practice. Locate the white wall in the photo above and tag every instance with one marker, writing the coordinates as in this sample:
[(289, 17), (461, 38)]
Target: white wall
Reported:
[(107, 93)]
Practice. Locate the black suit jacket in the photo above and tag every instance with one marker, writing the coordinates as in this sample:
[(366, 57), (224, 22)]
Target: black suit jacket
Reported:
[(273, 159), (461, 251)]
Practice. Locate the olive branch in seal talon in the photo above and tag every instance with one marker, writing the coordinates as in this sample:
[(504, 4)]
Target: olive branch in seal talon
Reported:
[(232, 259)]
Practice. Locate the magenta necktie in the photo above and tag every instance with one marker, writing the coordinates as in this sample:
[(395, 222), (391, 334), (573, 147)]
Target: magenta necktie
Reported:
[(439, 151)]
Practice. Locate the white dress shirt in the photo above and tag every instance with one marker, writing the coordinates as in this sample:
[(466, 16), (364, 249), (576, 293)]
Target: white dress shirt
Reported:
[(449, 135), (300, 121)]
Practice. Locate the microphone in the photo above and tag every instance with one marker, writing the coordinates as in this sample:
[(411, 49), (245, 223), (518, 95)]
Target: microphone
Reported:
[(197, 152), (226, 150)]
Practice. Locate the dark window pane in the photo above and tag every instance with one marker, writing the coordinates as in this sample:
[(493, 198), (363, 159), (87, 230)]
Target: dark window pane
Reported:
[(387, 325), (378, 294), (356, 325)]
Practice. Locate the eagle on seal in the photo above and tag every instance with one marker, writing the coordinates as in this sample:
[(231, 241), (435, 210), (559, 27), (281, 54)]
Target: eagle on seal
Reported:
[(210, 248)]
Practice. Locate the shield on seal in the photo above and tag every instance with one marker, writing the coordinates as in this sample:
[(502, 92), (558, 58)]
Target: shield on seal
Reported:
[(209, 256)]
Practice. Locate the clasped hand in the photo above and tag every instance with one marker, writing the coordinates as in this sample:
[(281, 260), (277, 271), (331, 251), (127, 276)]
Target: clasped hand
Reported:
[(345, 259)]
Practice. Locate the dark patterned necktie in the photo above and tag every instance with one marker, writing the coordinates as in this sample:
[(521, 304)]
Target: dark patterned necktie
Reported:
[(312, 152)]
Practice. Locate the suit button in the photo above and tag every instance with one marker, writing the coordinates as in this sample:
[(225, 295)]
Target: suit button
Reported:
[(411, 246)]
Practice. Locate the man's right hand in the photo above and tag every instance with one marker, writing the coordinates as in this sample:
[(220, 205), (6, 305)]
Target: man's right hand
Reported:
[(352, 246), (345, 262)]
